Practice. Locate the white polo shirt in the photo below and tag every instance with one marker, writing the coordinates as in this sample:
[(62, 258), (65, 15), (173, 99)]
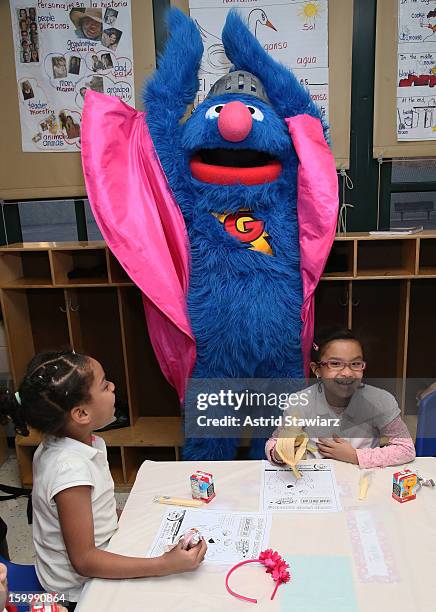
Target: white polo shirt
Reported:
[(58, 464)]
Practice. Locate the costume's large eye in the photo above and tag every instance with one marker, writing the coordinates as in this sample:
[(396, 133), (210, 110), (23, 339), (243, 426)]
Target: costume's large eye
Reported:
[(255, 113), (214, 111)]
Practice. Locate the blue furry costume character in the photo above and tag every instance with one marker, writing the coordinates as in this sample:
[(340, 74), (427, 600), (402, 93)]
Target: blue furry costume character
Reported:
[(232, 168)]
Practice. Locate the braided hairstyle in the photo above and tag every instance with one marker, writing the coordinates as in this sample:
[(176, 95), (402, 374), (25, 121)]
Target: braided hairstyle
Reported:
[(54, 383)]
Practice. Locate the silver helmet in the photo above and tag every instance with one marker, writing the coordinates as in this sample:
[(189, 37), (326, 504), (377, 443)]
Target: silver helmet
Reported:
[(239, 82)]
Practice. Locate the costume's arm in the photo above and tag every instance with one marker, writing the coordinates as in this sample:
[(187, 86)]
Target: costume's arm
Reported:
[(174, 84), (246, 53)]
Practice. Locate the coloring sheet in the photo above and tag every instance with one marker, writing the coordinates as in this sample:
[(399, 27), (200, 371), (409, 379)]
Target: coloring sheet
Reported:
[(315, 491), (231, 537)]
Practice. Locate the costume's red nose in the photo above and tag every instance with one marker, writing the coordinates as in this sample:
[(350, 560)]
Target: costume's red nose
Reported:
[(235, 122)]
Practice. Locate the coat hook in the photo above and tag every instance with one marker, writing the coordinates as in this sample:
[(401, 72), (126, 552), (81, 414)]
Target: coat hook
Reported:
[(71, 307), (345, 301)]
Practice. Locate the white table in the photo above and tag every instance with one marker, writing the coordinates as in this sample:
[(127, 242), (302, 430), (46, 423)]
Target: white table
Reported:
[(409, 530)]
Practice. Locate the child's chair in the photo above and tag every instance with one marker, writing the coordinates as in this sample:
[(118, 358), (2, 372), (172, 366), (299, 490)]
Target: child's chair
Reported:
[(22, 579), (426, 431)]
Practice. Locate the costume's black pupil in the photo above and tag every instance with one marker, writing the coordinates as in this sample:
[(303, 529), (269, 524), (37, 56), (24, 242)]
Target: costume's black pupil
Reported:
[(218, 109), (251, 109)]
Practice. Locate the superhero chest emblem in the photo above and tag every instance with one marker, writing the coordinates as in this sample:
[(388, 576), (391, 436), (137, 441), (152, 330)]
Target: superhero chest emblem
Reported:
[(246, 228)]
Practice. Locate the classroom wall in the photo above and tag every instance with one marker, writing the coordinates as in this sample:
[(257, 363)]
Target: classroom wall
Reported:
[(361, 113), (50, 175)]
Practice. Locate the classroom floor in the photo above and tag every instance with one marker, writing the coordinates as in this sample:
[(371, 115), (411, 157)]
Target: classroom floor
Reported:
[(13, 512)]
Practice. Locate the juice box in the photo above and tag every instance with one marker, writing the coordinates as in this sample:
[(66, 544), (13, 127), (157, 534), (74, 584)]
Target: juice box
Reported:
[(404, 486), (202, 486)]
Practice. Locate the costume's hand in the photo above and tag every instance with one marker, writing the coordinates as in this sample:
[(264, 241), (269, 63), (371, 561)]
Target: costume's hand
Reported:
[(337, 448), (174, 84), (281, 86)]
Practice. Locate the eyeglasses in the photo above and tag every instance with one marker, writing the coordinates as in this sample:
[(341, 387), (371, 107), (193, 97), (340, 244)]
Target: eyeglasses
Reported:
[(338, 365)]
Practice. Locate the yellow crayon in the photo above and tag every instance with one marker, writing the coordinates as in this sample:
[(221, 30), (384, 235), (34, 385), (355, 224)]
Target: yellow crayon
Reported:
[(178, 501), (363, 487)]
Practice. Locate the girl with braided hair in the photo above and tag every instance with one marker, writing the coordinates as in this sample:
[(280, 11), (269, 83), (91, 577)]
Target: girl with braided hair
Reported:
[(66, 397)]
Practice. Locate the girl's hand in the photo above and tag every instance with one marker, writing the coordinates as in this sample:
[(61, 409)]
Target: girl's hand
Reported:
[(178, 560), (337, 448), (276, 457)]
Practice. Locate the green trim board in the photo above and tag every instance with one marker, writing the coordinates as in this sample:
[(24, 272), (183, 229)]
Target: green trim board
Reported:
[(363, 169)]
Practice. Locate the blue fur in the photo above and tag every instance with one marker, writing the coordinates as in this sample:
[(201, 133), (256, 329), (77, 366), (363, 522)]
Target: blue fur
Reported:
[(244, 306)]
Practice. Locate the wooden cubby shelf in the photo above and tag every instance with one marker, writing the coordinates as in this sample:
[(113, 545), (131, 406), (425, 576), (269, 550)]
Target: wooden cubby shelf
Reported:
[(427, 257), (386, 258), (152, 438), (80, 267), (340, 263), (25, 269), (117, 274), (60, 264), (384, 288)]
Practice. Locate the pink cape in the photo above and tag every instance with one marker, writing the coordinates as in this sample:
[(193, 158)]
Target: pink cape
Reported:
[(142, 225), (144, 228), (317, 212)]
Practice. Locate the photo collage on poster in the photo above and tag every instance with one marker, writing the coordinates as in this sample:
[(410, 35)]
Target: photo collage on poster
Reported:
[(61, 53)]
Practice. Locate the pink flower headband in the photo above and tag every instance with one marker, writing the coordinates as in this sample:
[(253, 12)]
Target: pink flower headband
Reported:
[(275, 565)]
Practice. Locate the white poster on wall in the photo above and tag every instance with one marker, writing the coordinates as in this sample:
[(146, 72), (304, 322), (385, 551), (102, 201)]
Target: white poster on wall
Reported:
[(62, 49), (416, 78), (295, 33)]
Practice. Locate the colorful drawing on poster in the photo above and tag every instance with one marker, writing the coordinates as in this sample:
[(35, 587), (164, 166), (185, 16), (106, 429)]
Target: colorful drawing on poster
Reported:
[(309, 12), (60, 53), (294, 33), (416, 79)]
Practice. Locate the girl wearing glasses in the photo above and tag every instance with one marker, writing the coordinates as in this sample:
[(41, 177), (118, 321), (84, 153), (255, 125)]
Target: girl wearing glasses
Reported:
[(350, 416)]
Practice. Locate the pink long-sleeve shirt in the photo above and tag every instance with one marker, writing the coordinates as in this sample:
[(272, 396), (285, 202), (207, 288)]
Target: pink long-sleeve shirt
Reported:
[(381, 418)]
